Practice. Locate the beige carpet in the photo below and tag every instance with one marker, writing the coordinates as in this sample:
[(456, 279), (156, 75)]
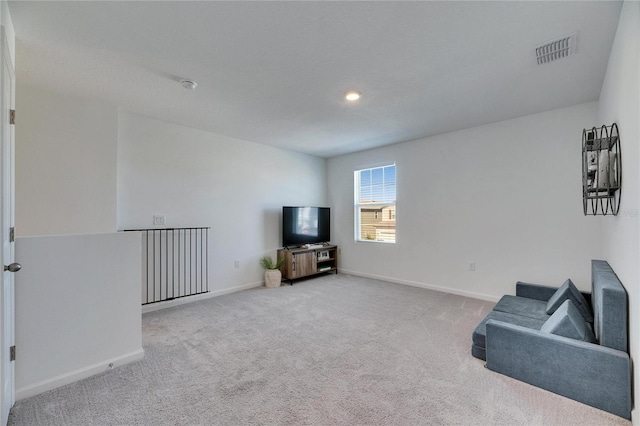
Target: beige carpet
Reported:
[(335, 350)]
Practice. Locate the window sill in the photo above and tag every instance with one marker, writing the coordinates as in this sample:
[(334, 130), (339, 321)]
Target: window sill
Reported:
[(375, 241)]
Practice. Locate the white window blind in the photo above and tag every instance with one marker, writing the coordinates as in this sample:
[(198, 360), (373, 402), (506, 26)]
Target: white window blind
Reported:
[(375, 204)]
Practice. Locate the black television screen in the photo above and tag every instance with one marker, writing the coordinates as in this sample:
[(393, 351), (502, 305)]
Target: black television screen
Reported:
[(305, 225)]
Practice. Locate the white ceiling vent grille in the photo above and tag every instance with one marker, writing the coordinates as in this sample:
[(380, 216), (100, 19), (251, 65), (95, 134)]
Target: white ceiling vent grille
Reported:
[(556, 49)]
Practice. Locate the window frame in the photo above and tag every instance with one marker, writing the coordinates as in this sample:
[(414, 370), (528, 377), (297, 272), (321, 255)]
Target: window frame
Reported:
[(358, 205)]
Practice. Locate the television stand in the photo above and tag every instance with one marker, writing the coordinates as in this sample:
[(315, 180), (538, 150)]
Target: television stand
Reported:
[(305, 262)]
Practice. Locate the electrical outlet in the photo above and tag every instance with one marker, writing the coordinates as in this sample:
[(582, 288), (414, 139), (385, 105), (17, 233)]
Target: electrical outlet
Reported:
[(158, 219), (472, 266), (237, 264)]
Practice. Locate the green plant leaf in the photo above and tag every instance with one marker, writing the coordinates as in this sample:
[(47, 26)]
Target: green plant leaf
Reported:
[(267, 263)]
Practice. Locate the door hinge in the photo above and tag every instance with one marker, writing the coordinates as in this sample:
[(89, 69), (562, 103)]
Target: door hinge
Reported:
[(12, 116), (12, 353), (12, 234)]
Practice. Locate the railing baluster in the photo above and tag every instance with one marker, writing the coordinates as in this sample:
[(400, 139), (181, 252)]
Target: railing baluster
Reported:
[(181, 263)]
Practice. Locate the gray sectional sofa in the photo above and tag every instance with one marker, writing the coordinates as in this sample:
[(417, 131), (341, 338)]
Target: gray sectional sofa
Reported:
[(570, 343)]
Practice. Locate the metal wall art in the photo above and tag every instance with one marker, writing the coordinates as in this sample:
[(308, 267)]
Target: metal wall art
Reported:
[(601, 170)]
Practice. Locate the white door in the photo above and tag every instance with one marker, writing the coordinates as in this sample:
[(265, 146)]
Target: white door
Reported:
[(7, 388)]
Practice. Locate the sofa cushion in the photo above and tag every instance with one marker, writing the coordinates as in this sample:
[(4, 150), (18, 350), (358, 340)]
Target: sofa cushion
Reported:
[(480, 333), (523, 306), (569, 291), (568, 322), (478, 352)]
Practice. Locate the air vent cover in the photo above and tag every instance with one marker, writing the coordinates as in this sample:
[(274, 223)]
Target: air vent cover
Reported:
[(556, 49)]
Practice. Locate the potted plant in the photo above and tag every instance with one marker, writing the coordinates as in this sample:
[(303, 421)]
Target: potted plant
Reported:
[(272, 274)]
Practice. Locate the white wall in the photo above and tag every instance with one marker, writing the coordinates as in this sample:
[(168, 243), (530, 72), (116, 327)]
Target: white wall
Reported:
[(620, 103), (7, 23), (77, 308), (65, 164), (197, 178), (506, 195)]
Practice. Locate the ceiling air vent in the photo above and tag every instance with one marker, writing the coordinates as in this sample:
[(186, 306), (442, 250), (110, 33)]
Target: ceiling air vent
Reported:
[(556, 49)]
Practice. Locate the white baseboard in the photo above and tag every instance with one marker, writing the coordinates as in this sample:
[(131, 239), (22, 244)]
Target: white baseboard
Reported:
[(466, 293), (79, 374), (190, 299)]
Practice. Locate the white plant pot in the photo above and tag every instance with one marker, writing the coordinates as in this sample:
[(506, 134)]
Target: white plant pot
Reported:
[(272, 278)]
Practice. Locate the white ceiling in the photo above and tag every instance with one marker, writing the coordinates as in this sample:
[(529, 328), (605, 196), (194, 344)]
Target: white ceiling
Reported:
[(275, 72)]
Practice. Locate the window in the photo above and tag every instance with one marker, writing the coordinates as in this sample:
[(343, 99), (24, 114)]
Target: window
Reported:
[(375, 204)]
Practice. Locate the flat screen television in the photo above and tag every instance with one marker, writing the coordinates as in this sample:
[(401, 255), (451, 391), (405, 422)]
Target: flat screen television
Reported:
[(305, 225)]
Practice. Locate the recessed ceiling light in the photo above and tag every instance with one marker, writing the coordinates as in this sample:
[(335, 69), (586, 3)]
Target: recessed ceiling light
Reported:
[(188, 84), (352, 95)]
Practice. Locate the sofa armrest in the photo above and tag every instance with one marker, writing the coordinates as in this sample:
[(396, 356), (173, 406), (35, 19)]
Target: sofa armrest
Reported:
[(586, 372), (535, 291)]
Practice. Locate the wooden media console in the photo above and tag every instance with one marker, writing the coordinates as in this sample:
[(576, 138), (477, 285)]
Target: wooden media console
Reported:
[(303, 262)]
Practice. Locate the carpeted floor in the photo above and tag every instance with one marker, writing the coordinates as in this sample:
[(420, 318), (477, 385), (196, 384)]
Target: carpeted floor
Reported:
[(335, 350)]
